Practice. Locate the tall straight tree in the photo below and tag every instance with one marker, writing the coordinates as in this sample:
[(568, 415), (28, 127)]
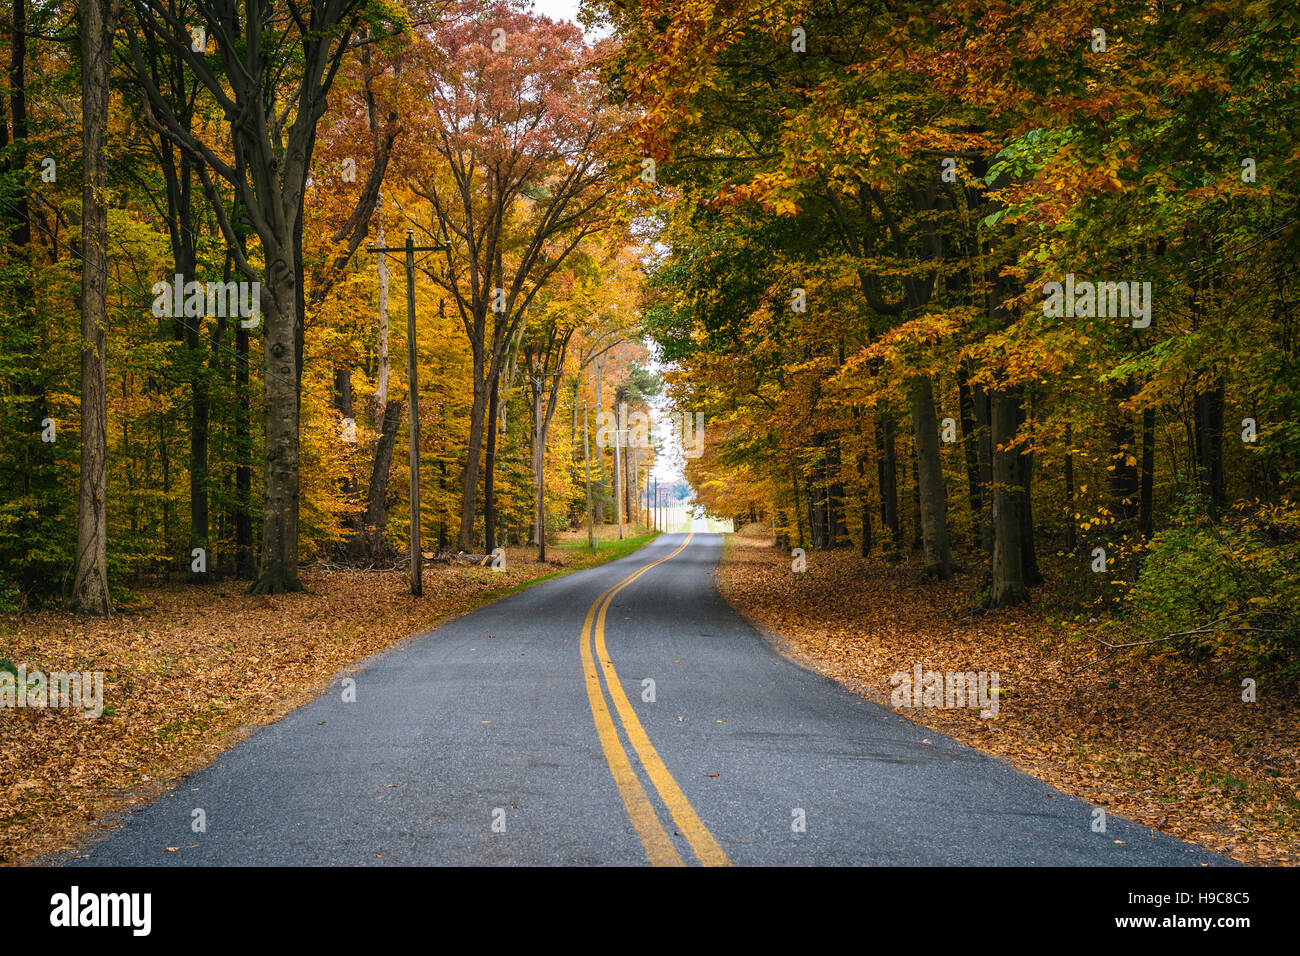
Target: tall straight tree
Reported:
[(268, 65), (90, 586)]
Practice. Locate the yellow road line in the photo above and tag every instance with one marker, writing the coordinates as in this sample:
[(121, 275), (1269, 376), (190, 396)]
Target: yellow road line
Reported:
[(703, 844), (658, 845)]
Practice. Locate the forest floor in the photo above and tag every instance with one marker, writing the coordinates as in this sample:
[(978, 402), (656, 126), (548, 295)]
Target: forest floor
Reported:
[(189, 670), (1168, 744)]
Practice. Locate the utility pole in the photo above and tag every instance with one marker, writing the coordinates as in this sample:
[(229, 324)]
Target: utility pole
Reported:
[(586, 465), (539, 453), (410, 248), (618, 472), (652, 495)]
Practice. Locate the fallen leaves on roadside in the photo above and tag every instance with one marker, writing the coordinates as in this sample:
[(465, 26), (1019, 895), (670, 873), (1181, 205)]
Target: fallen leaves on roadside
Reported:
[(193, 670), (1159, 742)]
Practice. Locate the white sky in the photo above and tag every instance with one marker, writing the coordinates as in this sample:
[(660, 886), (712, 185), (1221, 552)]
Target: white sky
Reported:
[(669, 465), (564, 10), (557, 9)]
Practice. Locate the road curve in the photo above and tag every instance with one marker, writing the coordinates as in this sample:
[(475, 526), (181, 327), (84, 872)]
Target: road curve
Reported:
[(622, 715)]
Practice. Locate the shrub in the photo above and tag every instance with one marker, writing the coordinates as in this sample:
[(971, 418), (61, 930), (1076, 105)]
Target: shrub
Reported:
[(1227, 592)]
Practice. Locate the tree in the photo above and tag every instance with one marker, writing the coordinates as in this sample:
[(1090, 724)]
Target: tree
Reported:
[(272, 68), (90, 587), (514, 180)]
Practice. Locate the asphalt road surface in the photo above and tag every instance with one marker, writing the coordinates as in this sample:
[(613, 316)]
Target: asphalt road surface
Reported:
[(529, 732)]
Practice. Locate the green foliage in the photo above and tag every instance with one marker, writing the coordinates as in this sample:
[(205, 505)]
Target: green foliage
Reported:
[(1220, 591)]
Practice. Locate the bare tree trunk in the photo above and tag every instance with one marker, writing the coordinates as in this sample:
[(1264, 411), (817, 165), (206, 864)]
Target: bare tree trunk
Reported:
[(279, 565), (90, 587)]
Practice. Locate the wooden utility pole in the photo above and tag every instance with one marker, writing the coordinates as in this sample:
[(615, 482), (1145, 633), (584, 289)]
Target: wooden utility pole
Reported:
[(410, 248), (539, 454), (618, 473), (586, 465)]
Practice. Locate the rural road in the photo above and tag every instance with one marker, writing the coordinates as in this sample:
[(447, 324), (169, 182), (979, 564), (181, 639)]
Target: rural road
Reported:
[(495, 740)]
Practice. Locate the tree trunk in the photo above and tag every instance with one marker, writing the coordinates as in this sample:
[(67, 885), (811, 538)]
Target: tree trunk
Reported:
[(1025, 507), (917, 537), (90, 587), (984, 447), (474, 448), (1209, 447), (489, 471), (933, 494), (1008, 585), (1148, 471), (1123, 473), (970, 448), (888, 468), (839, 529), (199, 413), (798, 505), (1025, 512), (1071, 523), (279, 566), (819, 514), (382, 372), (344, 405), (377, 493), (864, 501), (539, 470)]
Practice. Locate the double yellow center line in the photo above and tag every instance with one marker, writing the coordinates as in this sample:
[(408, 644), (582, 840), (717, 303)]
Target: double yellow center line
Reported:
[(658, 845)]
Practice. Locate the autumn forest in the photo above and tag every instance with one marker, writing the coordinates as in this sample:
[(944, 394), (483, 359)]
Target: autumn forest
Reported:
[(989, 284), (973, 325)]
